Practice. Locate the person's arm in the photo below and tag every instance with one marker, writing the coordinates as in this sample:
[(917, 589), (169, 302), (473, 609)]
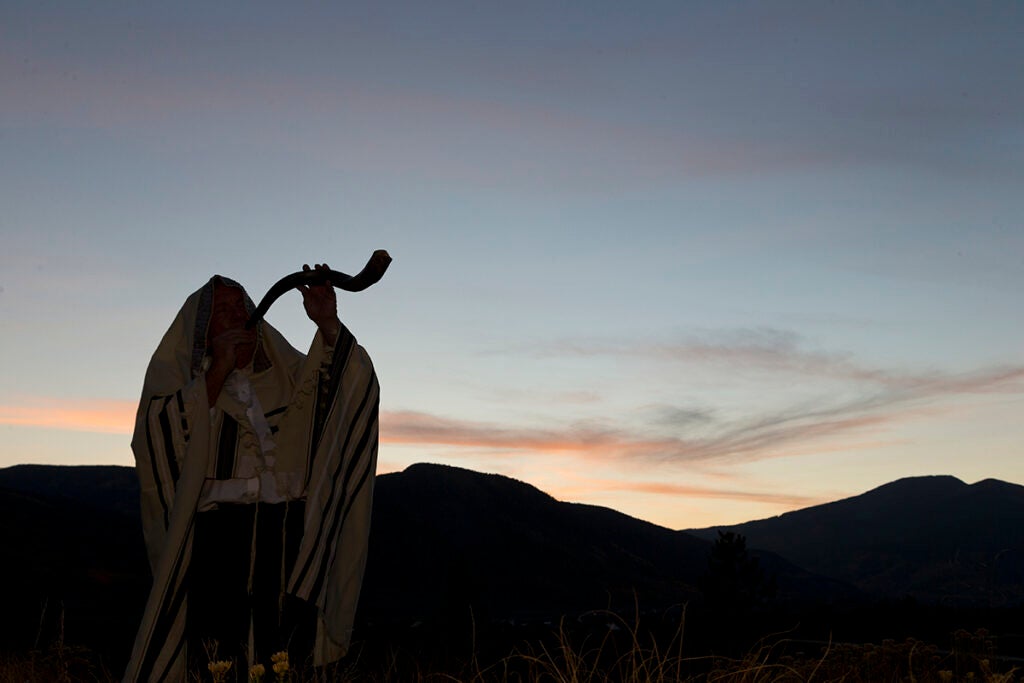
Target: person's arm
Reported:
[(330, 330)]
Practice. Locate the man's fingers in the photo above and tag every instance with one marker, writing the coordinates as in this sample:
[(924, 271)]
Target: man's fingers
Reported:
[(325, 289)]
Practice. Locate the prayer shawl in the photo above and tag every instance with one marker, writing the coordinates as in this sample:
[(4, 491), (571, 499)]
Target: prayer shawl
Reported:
[(329, 429)]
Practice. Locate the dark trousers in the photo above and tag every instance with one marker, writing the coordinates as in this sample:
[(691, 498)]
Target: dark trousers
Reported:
[(220, 606)]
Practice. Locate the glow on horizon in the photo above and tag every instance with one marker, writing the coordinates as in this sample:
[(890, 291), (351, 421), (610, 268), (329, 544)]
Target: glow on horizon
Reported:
[(527, 454), (90, 415)]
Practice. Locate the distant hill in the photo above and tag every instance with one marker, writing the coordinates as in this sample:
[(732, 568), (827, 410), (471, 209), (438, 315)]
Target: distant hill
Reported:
[(104, 487), (72, 564), (441, 537), (445, 539), (935, 539)]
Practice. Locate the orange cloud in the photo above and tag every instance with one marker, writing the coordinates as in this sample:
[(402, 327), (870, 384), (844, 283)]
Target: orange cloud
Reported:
[(411, 427), (828, 425), (81, 415), (664, 488), (767, 437)]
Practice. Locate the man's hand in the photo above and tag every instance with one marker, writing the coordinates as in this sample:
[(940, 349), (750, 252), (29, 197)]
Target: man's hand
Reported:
[(321, 306), (228, 350), (230, 346)]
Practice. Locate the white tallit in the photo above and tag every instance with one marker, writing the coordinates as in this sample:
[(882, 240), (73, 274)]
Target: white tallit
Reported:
[(328, 429)]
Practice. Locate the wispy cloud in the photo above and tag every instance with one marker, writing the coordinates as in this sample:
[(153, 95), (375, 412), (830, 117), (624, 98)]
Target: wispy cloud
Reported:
[(783, 351), (413, 427), (870, 402), (80, 415), (738, 442), (877, 400)]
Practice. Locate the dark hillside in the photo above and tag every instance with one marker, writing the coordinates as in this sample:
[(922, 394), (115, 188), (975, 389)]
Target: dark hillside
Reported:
[(104, 487), (65, 561), (444, 538), (936, 539)]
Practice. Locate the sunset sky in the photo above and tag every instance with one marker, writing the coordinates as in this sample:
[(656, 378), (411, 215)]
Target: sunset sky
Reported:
[(698, 262)]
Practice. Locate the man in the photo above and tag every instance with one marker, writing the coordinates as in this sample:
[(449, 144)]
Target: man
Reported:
[(256, 466)]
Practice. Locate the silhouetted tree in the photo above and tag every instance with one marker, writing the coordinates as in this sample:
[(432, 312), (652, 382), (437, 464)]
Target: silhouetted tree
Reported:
[(735, 582), (734, 588)]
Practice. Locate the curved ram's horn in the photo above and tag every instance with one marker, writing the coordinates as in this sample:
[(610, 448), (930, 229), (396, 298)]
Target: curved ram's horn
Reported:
[(370, 274)]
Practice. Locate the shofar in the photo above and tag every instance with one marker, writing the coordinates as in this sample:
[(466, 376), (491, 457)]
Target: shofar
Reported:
[(371, 273)]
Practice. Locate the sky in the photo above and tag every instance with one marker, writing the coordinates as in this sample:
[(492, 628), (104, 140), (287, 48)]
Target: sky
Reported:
[(701, 263)]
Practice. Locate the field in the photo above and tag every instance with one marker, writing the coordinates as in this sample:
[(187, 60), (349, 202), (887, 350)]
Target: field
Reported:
[(606, 648)]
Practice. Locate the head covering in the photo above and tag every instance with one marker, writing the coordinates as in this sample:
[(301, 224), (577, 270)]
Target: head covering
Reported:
[(178, 358)]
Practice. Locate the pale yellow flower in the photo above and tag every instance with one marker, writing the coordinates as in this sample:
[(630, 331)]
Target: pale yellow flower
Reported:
[(256, 673), (281, 667), (219, 670)]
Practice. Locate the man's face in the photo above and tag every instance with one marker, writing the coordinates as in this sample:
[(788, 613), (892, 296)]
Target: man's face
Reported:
[(229, 314)]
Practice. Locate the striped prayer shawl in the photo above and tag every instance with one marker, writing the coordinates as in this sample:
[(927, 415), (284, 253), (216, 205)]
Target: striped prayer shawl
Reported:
[(330, 424), (332, 556), (159, 653)]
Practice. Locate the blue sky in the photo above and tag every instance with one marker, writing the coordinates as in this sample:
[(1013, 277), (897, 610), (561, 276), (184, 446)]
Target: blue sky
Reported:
[(699, 262)]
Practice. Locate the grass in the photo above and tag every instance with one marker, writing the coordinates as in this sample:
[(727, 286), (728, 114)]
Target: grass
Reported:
[(620, 651)]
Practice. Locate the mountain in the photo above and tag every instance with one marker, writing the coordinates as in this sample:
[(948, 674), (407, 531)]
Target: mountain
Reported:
[(445, 537), (107, 487), (936, 539), (441, 536), (74, 564), (448, 542)]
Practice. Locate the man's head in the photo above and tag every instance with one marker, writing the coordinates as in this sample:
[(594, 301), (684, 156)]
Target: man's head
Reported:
[(229, 313)]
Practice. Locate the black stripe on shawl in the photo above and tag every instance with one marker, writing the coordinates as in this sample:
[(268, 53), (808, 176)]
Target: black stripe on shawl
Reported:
[(204, 307), (334, 479), (174, 656), (165, 427), (167, 612), (341, 515), (153, 466), (156, 644), (226, 448), (339, 361), (314, 438), (334, 484), (325, 393), (181, 412)]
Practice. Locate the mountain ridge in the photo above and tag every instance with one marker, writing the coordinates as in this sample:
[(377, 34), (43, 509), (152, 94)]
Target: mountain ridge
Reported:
[(934, 538), (448, 541)]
